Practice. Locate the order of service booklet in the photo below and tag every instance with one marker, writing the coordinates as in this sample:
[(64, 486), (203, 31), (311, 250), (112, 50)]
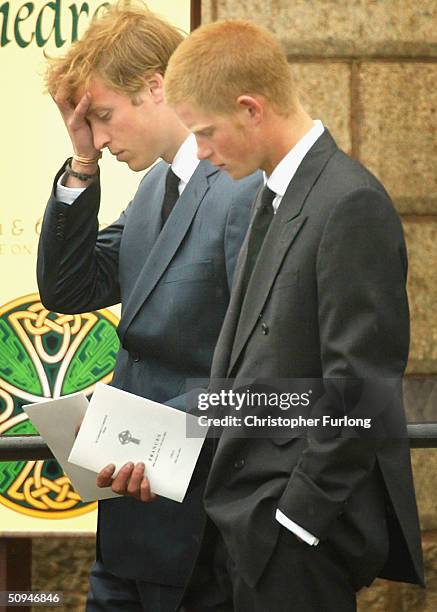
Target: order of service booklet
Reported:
[(119, 427), (56, 421)]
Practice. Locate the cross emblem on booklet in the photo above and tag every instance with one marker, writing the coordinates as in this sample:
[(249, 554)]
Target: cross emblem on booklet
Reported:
[(125, 437)]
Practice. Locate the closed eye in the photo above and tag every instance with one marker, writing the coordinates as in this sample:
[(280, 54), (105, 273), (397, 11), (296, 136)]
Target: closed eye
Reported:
[(106, 116), (205, 133)]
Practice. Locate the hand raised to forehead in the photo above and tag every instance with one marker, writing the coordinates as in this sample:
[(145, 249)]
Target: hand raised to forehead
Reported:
[(76, 122)]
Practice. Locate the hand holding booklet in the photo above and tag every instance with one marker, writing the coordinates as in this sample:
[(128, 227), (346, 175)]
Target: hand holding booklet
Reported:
[(119, 427)]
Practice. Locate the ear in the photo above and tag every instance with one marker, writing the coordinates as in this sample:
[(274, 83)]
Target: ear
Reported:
[(154, 84), (253, 107)]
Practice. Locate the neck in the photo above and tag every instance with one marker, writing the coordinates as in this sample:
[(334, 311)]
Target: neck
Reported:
[(177, 134), (283, 133)]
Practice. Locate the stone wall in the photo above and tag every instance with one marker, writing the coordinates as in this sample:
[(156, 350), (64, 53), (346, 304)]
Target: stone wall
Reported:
[(63, 564), (368, 69)]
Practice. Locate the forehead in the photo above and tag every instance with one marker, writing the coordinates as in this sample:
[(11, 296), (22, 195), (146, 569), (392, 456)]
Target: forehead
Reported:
[(197, 119), (100, 93)]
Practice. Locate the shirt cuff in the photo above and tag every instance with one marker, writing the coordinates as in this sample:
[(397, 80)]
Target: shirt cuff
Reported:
[(67, 195), (301, 533)]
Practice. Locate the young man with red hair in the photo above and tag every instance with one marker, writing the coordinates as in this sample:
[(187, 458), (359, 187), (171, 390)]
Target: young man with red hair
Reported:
[(301, 522)]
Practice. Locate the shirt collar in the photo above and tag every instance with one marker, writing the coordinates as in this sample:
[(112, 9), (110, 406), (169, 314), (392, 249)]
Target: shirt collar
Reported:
[(281, 176), (185, 161)]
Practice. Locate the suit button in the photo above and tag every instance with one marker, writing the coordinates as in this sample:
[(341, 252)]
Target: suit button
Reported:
[(135, 356), (239, 464), (265, 329)]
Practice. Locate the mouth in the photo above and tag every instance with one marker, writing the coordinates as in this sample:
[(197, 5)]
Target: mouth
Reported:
[(119, 154)]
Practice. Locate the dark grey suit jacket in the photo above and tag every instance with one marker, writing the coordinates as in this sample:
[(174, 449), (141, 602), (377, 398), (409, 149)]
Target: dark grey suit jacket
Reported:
[(174, 288), (326, 299)]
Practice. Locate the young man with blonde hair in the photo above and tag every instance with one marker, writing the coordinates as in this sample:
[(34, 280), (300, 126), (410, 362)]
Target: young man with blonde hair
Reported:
[(168, 259), (300, 522)]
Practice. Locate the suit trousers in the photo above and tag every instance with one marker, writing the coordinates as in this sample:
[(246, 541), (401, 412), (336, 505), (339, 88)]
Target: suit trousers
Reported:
[(297, 578), (110, 593)]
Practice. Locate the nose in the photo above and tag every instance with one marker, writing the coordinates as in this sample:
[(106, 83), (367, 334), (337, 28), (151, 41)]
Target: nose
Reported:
[(100, 138), (204, 151)]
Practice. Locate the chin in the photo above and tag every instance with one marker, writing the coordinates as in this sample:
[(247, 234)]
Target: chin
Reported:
[(238, 173), (135, 165), (132, 165)]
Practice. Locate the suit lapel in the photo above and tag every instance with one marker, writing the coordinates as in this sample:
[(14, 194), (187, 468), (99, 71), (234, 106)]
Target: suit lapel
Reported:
[(167, 241), (220, 362), (152, 214), (285, 226)]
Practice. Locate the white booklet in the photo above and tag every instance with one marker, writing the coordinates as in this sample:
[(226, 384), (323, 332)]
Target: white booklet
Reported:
[(120, 427), (56, 420)]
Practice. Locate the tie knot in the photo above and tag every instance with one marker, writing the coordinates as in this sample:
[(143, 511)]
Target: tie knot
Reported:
[(267, 197)]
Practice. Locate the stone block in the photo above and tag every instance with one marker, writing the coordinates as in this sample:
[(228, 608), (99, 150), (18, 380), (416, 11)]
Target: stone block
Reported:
[(325, 92), (63, 564), (337, 28), (397, 126), (374, 598), (424, 461), (421, 238), (420, 398)]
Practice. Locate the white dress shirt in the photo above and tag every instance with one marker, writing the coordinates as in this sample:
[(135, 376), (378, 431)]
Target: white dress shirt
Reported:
[(278, 182), (283, 173), (184, 164)]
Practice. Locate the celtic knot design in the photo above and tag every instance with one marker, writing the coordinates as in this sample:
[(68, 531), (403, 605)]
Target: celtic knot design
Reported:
[(42, 493), (45, 354)]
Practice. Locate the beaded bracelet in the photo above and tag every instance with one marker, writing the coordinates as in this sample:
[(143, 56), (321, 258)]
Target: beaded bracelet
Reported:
[(82, 176)]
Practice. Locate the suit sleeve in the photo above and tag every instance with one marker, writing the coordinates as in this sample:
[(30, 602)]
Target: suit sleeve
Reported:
[(364, 337), (77, 267)]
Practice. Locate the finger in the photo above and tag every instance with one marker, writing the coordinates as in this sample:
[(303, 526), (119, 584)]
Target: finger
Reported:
[(62, 99), (134, 484), (104, 477), (146, 494), (82, 108), (119, 484)]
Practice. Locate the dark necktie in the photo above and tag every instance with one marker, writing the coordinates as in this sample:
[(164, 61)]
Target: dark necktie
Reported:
[(258, 231), (171, 194)]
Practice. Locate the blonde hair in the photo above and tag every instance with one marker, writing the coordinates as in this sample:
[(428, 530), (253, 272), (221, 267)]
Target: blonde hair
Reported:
[(121, 46), (221, 61)]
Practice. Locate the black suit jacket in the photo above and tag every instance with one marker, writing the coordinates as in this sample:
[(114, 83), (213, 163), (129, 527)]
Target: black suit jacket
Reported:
[(327, 299), (174, 288)]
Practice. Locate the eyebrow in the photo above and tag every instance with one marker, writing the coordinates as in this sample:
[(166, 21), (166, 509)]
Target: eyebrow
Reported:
[(203, 129), (95, 108)]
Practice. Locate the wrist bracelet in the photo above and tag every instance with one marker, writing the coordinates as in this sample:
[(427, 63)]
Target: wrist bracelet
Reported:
[(87, 161), (82, 176)]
